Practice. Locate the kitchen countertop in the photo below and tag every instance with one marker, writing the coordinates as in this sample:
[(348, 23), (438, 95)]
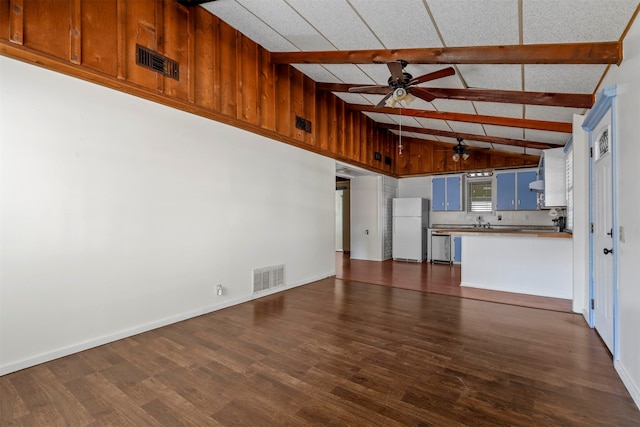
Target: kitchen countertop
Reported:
[(504, 232)]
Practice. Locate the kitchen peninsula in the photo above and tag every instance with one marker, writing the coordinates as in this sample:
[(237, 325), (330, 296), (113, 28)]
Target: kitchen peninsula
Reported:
[(526, 262)]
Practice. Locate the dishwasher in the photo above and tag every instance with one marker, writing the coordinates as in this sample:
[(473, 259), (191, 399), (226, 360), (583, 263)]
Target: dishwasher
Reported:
[(441, 248)]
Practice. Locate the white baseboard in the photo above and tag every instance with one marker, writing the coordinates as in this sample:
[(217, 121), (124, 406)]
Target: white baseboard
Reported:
[(633, 388), (86, 345)]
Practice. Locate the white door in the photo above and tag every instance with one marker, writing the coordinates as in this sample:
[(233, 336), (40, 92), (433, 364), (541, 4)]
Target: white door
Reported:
[(603, 237), (339, 224)]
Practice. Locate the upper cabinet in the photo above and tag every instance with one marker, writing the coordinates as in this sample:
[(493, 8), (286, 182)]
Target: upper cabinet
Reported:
[(446, 193), (513, 191), (552, 179)]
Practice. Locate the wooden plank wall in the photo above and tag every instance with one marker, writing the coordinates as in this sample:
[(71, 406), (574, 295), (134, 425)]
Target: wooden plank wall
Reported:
[(223, 75)]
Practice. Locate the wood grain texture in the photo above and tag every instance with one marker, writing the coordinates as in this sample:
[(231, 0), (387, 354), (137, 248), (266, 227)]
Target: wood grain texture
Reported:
[(558, 53), (471, 118), (224, 76), (557, 99), (343, 353)]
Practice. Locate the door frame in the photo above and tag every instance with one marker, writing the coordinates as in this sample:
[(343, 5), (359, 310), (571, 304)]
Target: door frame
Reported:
[(605, 104)]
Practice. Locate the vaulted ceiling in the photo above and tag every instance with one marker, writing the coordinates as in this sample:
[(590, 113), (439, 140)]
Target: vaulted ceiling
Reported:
[(522, 68)]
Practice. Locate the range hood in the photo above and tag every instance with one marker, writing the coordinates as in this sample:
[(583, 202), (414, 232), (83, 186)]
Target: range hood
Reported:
[(536, 185)]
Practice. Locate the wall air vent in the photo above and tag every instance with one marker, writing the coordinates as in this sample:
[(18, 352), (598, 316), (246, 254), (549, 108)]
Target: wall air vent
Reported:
[(268, 278), (157, 62)]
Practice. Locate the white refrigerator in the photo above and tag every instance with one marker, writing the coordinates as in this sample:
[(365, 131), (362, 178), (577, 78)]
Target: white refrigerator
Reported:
[(410, 223)]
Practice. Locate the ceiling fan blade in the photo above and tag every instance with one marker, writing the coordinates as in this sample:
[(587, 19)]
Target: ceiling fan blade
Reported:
[(384, 100), (369, 89), (395, 67), (422, 93), (445, 72)]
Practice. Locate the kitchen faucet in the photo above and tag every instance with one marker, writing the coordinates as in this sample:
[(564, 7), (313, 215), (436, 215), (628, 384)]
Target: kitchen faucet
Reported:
[(479, 222)]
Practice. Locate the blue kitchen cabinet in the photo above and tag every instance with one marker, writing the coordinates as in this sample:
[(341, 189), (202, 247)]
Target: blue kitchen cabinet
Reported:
[(527, 199), (506, 191), (438, 195), (454, 201), (446, 193), (513, 192), (457, 249)]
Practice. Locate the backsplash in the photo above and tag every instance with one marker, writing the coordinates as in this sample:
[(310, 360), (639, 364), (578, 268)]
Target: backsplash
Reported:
[(505, 218)]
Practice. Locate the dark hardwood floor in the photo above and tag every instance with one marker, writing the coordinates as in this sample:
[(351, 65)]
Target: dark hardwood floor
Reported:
[(337, 353), (435, 278)]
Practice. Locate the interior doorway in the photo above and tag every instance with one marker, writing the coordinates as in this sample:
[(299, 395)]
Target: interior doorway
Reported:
[(343, 215)]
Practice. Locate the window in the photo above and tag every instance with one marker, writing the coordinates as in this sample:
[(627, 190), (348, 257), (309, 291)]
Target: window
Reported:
[(480, 195)]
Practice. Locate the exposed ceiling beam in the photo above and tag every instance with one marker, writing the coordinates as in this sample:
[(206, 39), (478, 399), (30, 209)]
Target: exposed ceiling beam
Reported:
[(575, 100), (560, 53), (491, 152), (470, 137), (470, 118)]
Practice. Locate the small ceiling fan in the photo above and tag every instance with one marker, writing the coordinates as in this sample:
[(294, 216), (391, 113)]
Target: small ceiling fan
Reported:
[(460, 151), (403, 85)]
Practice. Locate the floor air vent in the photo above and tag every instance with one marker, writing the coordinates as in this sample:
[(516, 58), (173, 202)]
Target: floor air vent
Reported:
[(268, 278), (157, 62)]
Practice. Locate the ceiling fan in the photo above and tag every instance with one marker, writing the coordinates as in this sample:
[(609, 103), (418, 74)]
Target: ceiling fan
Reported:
[(403, 85), (460, 151)]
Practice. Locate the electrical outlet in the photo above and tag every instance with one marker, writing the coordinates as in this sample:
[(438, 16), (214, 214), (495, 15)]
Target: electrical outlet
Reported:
[(219, 290)]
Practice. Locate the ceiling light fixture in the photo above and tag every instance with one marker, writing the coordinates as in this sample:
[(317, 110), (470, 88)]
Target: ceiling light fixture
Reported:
[(400, 94), (455, 157)]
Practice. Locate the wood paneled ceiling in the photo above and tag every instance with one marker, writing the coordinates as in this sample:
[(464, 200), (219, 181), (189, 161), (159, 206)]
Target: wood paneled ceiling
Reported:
[(522, 67)]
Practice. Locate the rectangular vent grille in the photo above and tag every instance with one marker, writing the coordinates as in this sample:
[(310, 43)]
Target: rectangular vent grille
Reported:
[(268, 278), (157, 62)]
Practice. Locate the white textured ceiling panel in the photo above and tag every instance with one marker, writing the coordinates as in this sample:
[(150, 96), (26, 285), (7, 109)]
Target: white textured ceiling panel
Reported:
[(552, 114), (421, 104), (476, 23), (562, 78), (405, 120), (504, 132), (553, 21), (318, 73), (339, 23), (491, 76), (499, 109), (454, 106), (389, 27), (477, 144), (278, 15), (380, 117), (349, 73), (546, 136), (447, 140), (433, 124), (352, 98), (463, 127), (511, 149), (249, 24)]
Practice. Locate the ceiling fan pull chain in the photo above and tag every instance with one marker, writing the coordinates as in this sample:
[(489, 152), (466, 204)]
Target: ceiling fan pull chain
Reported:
[(400, 144)]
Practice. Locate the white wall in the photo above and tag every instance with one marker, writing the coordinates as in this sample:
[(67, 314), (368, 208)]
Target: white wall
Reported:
[(119, 215), (627, 79)]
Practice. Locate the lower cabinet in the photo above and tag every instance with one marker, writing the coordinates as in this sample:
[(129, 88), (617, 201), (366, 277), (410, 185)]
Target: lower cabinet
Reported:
[(456, 250)]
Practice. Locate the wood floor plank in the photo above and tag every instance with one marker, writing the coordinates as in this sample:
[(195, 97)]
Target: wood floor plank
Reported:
[(337, 352)]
